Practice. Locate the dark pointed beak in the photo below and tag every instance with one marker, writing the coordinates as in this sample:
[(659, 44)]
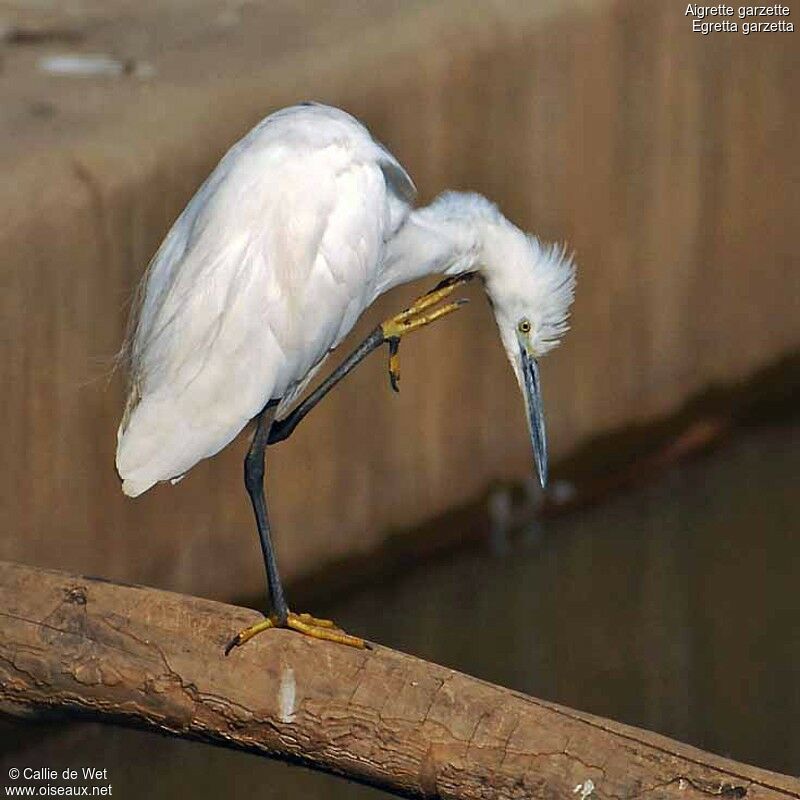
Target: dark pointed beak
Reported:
[(535, 408)]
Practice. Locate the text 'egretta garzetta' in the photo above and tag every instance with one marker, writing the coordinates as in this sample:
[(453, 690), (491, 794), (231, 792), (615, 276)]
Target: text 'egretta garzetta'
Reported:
[(301, 226)]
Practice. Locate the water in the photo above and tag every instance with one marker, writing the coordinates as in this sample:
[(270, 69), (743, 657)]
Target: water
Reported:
[(674, 607)]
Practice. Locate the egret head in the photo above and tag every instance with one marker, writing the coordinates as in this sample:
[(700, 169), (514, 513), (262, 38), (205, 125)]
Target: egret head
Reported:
[(530, 286)]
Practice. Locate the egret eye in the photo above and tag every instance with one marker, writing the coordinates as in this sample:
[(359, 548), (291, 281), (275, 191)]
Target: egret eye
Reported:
[(524, 326)]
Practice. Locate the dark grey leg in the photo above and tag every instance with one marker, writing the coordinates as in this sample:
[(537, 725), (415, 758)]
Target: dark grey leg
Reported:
[(389, 332), (254, 482), (281, 429), (270, 431)]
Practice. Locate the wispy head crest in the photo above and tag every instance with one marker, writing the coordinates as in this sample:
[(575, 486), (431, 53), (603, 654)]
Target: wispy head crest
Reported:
[(555, 278)]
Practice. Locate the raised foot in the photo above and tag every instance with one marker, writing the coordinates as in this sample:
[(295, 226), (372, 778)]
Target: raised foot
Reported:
[(302, 623), (418, 314)]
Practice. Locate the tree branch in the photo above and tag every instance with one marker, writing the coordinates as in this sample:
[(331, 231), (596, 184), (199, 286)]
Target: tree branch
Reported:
[(154, 659)]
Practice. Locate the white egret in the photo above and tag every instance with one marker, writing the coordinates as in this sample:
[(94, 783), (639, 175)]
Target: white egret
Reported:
[(300, 227)]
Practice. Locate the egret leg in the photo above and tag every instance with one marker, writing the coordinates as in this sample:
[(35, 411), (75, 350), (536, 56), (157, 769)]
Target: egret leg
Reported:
[(270, 431), (390, 332), (280, 616), (254, 482), (283, 428)]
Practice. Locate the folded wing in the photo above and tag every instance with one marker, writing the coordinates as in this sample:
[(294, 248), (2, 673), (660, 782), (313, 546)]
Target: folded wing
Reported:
[(267, 269)]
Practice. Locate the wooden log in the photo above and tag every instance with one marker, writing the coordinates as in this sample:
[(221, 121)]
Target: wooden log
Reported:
[(153, 658)]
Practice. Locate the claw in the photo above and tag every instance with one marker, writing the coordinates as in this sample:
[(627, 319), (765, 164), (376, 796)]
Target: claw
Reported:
[(427, 300), (248, 633), (316, 621), (303, 623), (455, 280), (329, 633), (394, 363), (412, 318)]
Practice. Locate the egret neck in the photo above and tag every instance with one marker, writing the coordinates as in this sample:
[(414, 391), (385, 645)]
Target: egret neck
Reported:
[(530, 285)]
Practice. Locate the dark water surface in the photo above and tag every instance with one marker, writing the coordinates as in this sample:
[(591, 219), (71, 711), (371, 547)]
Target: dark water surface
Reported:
[(675, 608)]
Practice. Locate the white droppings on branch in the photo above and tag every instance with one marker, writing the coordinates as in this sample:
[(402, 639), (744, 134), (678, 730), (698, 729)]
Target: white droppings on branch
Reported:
[(287, 694)]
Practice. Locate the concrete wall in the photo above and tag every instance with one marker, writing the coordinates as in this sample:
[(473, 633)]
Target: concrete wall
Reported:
[(666, 159)]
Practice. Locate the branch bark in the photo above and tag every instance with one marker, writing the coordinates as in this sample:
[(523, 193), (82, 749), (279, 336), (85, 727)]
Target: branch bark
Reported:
[(154, 659)]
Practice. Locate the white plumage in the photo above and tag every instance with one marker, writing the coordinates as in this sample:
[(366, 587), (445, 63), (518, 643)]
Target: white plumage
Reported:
[(265, 271), (300, 227)]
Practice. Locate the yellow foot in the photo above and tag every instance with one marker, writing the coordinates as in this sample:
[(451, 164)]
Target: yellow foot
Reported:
[(416, 316), (303, 623)]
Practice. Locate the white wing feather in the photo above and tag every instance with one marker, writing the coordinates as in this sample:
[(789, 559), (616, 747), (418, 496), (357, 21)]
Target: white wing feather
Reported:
[(265, 271)]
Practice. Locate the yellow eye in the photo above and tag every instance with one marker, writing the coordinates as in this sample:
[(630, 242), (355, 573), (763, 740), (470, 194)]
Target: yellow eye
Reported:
[(524, 326)]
